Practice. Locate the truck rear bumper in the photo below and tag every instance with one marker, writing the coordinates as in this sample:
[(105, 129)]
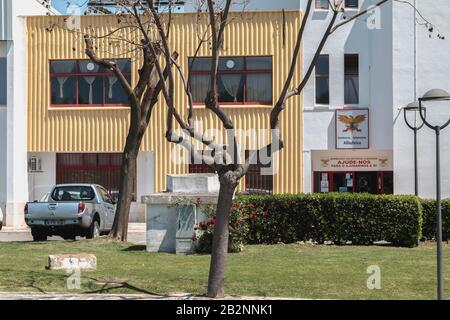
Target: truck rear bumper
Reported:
[(66, 231), (83, 222)]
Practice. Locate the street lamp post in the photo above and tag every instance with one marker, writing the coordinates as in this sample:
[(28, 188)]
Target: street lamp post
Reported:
[(437, 95), (410, 108)]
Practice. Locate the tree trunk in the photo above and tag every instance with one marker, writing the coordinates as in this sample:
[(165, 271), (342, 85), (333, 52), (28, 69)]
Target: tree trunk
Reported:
[(220, 242), (127, 177)]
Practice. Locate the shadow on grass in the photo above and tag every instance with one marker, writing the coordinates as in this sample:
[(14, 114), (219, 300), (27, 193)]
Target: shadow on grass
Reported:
[(32, 284), (30, 279), (108, 286), (136, 248)]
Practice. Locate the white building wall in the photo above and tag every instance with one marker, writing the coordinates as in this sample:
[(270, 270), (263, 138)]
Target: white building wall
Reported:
[(145, 184), (3, 116), (39, 183), (375, 85), (431, 57), (14, 162), (2, 158)]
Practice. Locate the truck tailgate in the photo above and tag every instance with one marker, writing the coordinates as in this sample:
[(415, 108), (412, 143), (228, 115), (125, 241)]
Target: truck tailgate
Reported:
[(53, 210)]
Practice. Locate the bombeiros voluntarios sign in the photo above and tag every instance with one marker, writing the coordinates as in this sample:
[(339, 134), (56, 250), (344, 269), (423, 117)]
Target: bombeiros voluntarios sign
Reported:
[(352, 128)]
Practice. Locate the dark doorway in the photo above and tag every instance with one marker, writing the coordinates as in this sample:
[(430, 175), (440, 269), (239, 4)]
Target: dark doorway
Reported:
[(366, 182)]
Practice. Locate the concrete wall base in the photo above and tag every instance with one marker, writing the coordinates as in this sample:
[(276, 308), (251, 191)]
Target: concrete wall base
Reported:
[(137, 213), (13, 215)]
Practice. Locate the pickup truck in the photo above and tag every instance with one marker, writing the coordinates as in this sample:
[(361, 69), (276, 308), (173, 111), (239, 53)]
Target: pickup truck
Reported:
[(71, 210)]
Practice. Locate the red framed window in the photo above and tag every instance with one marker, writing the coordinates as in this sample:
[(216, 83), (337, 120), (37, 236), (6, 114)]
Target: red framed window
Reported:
[(82, 83), (240, 80), (353, 4), (91, 168)]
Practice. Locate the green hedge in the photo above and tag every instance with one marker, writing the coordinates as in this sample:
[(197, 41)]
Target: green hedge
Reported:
[(429, 219), (359, 218)]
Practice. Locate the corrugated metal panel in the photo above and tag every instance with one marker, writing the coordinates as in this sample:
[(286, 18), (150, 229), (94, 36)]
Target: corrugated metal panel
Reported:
[(105, 130)]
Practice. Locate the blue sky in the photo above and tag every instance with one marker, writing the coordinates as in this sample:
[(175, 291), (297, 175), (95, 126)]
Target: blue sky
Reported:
[(61, 5)]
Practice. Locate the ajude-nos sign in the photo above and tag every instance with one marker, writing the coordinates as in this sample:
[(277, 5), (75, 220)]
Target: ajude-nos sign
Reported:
[(357, 160), (340, 163)]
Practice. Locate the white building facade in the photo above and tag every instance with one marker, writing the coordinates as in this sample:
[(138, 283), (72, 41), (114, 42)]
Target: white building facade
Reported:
[(356, 139), (13, 107)]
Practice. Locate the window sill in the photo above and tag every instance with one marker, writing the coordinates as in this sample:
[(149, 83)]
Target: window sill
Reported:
[(322, 106), (351, 10), (351, 106), (318, 108), (87, 108)]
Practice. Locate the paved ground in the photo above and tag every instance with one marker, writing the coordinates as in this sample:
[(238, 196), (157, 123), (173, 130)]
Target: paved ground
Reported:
[(136, 234), (40, 296), (54, 296)]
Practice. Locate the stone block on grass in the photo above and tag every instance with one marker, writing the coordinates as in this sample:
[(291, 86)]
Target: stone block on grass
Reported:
[(81, 261)]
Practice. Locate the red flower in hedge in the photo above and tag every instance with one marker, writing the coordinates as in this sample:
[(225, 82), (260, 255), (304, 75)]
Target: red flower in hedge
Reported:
[(254, 214), (241, 207), (266, 213), (234, 206), (194, 239), (199, 201), (250, 206), (213, 222)]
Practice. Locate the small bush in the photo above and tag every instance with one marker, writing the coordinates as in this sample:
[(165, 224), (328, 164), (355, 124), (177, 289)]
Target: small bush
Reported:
[(359, 218), (205, 231), (429, 219)]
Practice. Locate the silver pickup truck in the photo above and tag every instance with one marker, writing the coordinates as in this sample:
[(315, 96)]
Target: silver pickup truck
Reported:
[(71, 210)]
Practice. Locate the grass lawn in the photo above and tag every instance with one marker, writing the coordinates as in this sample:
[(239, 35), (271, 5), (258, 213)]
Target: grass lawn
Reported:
[(302, 271)]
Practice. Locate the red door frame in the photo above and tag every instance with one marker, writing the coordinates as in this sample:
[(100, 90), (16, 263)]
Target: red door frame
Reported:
[(84, 167)]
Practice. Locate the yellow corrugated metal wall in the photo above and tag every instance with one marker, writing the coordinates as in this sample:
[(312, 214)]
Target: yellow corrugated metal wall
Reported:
[(105, 129)]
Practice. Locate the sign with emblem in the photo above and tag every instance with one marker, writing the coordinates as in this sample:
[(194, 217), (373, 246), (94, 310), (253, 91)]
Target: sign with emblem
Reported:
[(352, 129), (352, 160)]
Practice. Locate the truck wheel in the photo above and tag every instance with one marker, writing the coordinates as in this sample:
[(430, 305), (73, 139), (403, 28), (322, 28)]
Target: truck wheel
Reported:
[(38, 236), (94, 230)]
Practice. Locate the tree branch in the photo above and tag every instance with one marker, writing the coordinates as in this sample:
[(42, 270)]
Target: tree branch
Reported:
[(356, 16), (90, 52)]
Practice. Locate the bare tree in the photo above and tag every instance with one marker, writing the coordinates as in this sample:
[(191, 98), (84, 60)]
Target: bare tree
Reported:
[(142, 97), (160, 63), (225, 158)]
